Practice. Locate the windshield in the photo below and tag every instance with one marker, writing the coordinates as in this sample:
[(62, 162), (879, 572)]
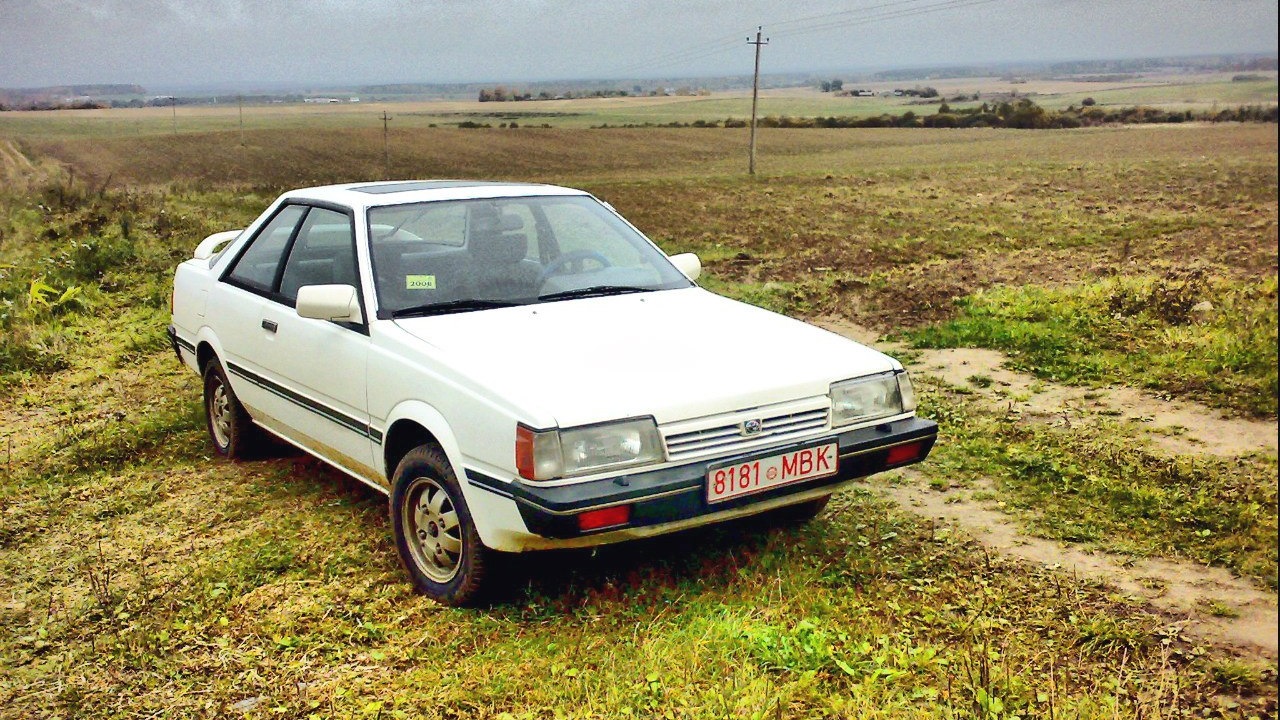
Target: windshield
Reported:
[(458, 255)]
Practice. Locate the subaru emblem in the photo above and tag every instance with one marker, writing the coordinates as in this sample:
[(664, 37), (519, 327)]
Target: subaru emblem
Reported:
[(751, 427)]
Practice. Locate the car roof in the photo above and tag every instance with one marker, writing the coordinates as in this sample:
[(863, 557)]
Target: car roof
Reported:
[(369, 194)]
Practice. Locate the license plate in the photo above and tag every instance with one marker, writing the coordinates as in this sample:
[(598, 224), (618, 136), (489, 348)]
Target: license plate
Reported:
[(753, 476)]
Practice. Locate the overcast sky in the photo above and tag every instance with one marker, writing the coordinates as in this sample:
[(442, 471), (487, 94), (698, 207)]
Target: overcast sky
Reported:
[(158, 43)]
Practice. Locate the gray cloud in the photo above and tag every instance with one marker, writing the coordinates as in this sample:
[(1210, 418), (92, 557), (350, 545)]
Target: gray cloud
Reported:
[(159, 42)]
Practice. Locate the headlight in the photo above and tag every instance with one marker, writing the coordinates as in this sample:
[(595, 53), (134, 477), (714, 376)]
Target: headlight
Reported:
[(871, 398), (543, 455)]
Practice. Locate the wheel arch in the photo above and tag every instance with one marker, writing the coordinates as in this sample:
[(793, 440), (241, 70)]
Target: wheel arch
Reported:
[(208, 347), (204, 353), (404, 435), (413, 423)]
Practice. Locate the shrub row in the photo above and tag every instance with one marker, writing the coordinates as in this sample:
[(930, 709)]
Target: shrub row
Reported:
[(1024, 114)]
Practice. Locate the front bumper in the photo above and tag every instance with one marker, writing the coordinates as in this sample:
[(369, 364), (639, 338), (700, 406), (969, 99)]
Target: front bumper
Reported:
[(679, 493)]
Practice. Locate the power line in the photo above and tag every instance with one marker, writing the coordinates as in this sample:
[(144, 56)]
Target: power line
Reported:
[(804, 25), (891, 15), (851, 11), (696, 52)]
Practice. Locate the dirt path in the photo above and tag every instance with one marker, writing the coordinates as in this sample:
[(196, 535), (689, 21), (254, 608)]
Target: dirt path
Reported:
[(13, 164), (1200, 597), (1180, 427), (1182, 589)]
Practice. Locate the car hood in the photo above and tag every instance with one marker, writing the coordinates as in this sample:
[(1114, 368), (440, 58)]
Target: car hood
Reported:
[(674, 354)]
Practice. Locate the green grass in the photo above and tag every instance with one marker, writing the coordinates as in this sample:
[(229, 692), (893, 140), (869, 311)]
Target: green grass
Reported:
[(1176, 93), (1139, 330), (294, 598), (145, 578), (1179, 96), (1099, 485)]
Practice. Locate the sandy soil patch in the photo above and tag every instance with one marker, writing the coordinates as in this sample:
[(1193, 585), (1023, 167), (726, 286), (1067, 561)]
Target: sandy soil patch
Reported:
[(1178, 426), (1187, 591), (1183, 590)]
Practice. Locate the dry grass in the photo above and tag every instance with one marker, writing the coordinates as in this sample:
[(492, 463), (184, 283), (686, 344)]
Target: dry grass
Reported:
[(144, 578)]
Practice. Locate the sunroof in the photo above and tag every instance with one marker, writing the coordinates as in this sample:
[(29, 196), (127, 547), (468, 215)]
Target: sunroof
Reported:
[(395, 187)]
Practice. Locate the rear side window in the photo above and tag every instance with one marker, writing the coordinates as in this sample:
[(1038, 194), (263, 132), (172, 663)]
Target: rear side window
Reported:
[(257, 265)]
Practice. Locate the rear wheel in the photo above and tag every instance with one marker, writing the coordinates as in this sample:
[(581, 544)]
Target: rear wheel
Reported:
[(435, 535), (232, 431)]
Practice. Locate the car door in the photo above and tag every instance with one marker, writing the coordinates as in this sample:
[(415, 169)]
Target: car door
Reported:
[(310, 375), (240, 301)]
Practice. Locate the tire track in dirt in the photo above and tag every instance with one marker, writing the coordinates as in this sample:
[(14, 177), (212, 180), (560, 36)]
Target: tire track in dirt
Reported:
[(1180, 427), (1183, 590)]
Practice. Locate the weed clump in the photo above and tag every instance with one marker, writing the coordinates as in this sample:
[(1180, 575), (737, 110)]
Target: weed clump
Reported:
[(1169, 298), (1137, 331)]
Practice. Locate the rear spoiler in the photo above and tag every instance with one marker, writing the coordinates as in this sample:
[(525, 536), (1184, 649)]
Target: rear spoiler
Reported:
[(212, 244)]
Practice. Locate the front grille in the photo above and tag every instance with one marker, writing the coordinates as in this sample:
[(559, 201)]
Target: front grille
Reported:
[(722, 434)]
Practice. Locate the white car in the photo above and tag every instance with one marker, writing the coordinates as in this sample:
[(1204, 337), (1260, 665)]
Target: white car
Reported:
[(519, 368)]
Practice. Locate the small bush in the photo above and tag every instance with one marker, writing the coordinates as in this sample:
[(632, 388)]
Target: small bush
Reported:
[(1169, 299)]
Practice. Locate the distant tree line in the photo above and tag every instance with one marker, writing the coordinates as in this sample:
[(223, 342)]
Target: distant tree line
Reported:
[(79, 104), (836, 85), (503, 94), (1023, 114), (156, 101)]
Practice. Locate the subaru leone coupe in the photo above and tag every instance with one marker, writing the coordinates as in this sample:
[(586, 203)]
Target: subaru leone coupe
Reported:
[(519, 368)]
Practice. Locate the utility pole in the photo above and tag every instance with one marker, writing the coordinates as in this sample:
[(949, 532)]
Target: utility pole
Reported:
[(755, 95), (386, 157), (240, 102), (173, 103)]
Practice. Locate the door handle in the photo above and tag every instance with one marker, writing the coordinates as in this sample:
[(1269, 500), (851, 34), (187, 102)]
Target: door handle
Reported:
[(269, 325)]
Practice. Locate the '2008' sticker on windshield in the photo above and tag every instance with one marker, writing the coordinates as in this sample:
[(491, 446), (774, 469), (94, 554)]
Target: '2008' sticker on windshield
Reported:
[(420, 282)]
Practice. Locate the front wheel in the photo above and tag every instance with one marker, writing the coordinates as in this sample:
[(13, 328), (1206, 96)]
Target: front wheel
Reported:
[(435, 535)]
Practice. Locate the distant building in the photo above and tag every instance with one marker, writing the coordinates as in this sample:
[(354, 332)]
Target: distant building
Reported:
[(321, 100), (354, 99)]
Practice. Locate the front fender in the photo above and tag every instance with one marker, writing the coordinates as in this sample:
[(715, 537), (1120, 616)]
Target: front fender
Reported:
[(431, 420), (497, 519)]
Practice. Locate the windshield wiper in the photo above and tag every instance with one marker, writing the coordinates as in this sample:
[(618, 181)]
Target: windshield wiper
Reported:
[(593, 291), (453, 306)]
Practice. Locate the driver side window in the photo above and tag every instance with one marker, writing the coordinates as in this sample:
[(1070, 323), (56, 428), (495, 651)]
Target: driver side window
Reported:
[(324, 253)]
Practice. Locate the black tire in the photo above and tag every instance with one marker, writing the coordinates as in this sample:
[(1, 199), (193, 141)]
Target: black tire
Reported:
[(801, 513), (435, 534), (231, 431)]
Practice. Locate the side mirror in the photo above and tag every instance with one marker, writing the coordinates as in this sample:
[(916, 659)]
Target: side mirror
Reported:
[(329, 302), (687, 263)]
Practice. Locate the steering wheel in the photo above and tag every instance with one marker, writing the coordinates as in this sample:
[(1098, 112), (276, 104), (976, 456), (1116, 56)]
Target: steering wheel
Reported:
[(554, 267)]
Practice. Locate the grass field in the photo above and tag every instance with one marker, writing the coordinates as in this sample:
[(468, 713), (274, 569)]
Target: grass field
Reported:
[(144, 578), (1172, 92)]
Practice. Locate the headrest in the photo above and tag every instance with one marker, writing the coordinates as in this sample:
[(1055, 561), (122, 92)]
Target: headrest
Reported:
[(499, 248), (487, 219)]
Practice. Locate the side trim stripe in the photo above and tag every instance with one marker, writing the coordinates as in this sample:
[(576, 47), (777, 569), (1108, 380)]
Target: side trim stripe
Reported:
[(307, 403), (514, 492), (185, 344), (484, 482)]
